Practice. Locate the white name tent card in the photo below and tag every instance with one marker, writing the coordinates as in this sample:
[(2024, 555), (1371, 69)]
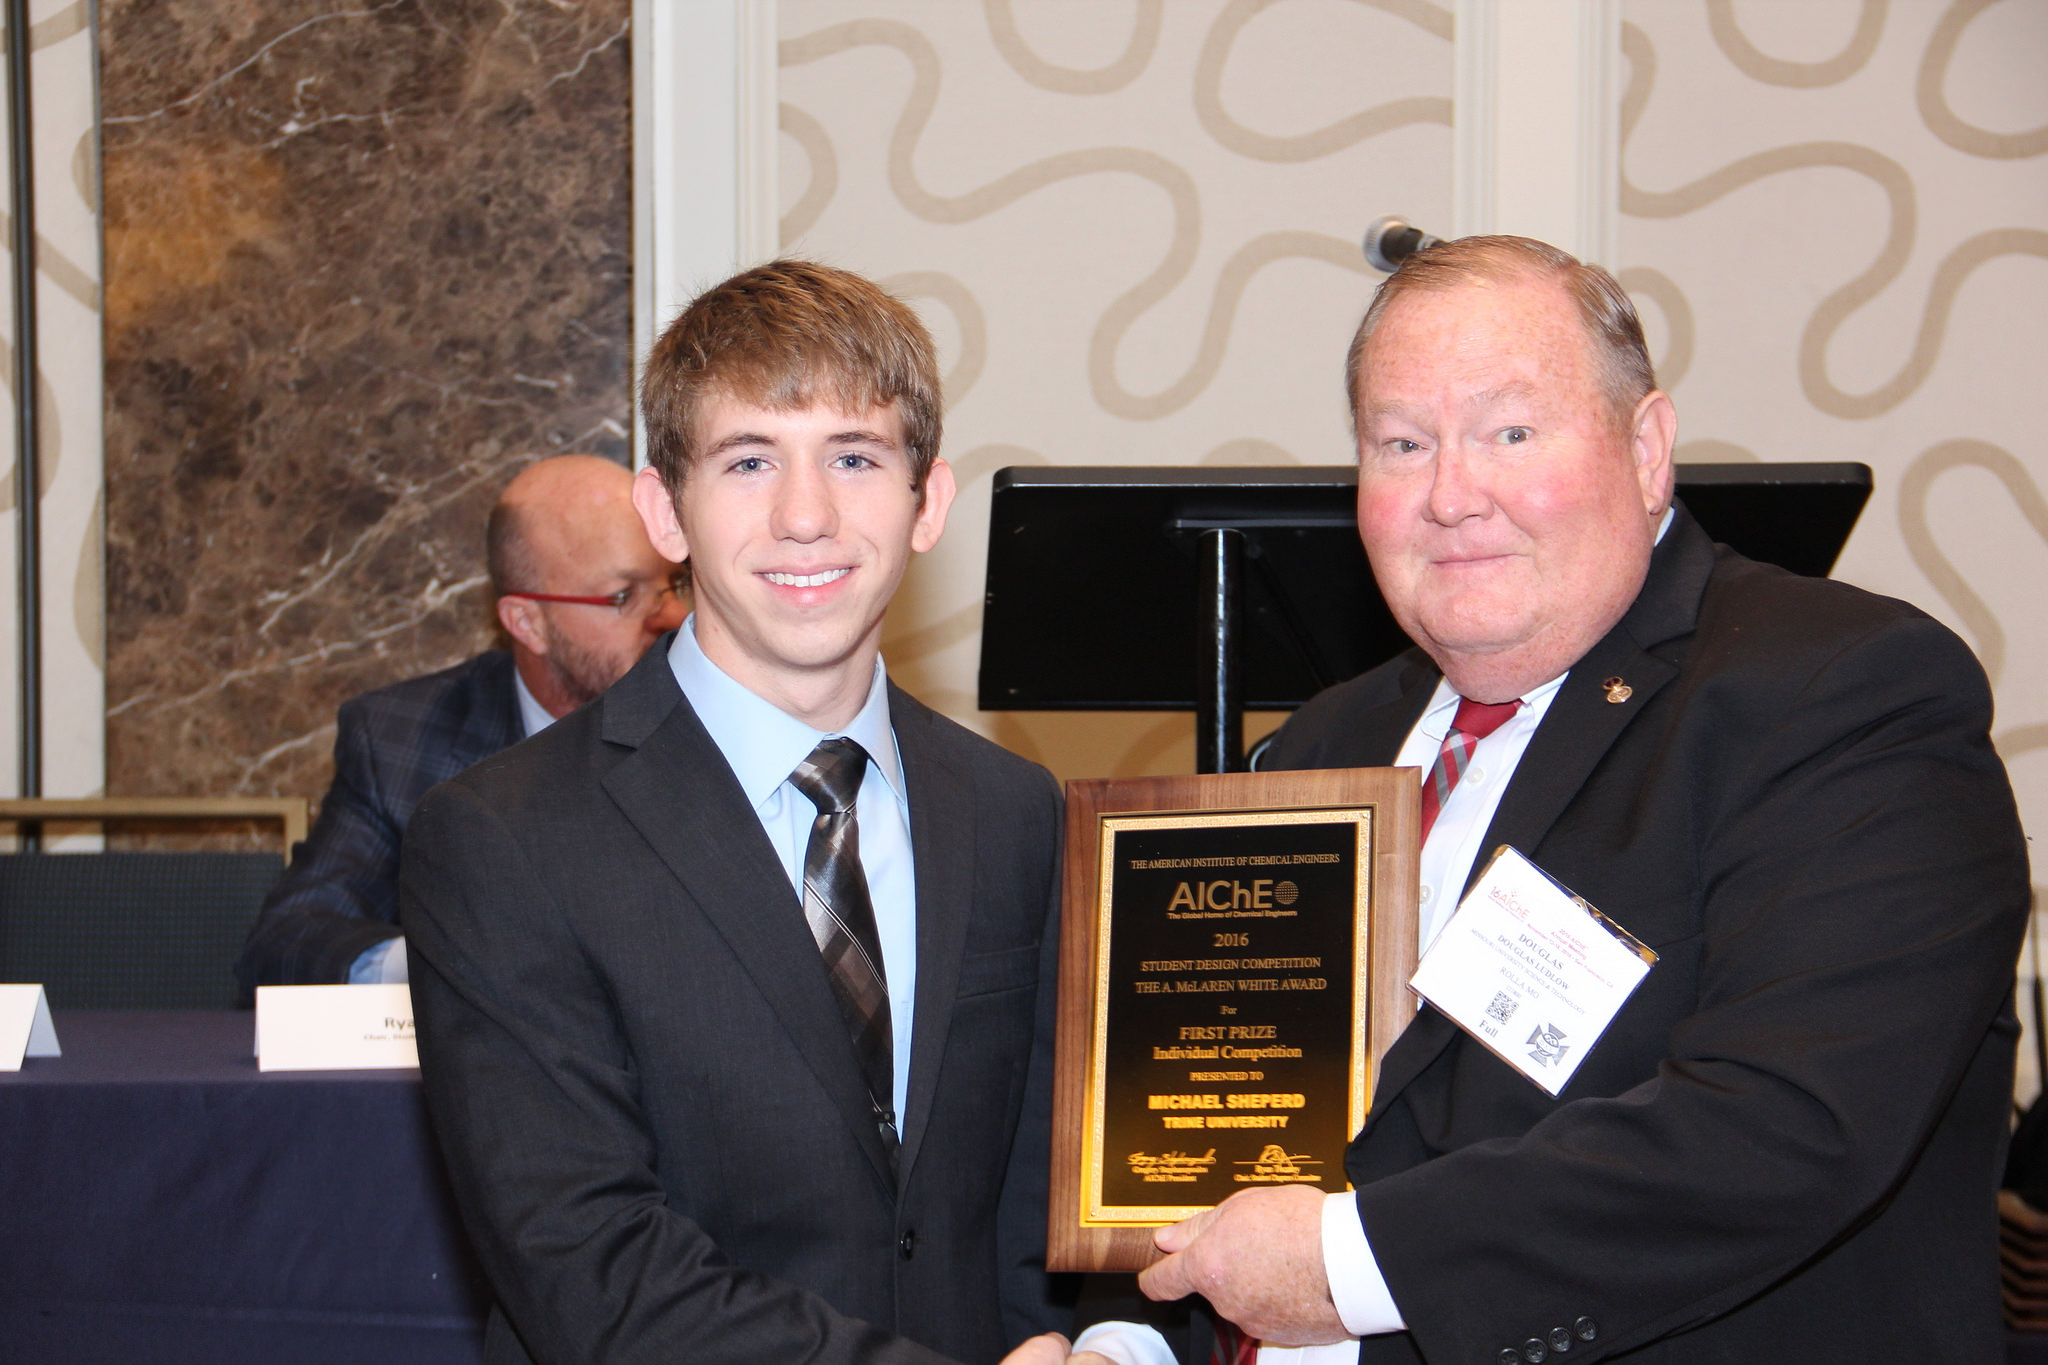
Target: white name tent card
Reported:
[(334, 1028), (1531, 970), (25, 1026)]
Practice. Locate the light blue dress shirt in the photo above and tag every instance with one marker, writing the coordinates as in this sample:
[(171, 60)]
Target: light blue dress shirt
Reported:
[(763, 745)]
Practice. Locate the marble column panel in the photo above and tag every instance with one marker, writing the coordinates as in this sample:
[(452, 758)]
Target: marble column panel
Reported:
[(361, 263)]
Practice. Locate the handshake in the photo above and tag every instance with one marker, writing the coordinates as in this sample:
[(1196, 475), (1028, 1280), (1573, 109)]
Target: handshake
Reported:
[(1257, 1258), (1052, 1349)]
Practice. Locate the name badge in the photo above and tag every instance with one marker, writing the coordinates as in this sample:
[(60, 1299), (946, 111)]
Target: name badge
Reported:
[(25, 1026), (334, 1028), (1530, 970)]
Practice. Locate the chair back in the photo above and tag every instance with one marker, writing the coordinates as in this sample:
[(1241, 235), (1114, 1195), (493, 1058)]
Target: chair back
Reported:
[(136, 930), (130, 930)]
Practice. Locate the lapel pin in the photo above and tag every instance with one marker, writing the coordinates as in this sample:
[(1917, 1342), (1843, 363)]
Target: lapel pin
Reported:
[(1618, 691)]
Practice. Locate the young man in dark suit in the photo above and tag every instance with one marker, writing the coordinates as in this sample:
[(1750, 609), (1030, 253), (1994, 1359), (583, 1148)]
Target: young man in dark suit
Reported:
[(734, 989), (581, 595), (1786, 1144)]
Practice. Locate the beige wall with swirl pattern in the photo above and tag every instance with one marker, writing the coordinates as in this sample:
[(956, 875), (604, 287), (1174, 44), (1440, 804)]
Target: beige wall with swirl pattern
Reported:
[(1133, 228), (1133, 224), (1835, 219)]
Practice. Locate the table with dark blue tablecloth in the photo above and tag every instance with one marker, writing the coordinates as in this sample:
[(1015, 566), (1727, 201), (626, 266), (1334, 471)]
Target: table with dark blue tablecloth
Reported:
[(161, 1200)]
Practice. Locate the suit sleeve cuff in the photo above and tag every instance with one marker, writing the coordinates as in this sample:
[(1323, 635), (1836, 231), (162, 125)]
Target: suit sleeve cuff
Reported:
[(384, 964), (1356, 1285)]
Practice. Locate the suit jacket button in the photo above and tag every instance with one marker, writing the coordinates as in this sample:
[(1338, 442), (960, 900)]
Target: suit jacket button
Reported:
[(1508, 1356), (1534, 1351), (1560, 1339), (1586, 1329), (906, 1247)]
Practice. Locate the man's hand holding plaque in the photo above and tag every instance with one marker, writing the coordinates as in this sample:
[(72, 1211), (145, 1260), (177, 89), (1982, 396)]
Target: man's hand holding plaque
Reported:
[(1257, 1259)]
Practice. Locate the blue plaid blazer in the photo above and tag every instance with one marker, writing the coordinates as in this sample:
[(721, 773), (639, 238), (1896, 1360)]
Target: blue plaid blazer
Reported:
[(339, 897)]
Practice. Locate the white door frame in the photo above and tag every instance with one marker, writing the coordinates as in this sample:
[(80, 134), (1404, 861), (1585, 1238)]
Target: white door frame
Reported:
[(704, 135)]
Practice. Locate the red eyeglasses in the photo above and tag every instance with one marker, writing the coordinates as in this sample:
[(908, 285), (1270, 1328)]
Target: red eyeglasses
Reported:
[(642, 599)]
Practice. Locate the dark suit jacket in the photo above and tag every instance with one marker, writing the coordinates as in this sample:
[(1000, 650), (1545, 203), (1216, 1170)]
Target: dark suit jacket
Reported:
[(655, 1123), (1787, 1144), (339, 897)]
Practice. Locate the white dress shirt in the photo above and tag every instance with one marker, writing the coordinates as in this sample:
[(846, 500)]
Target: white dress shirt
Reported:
[(763, 745), (1448, 854), (1452, 848)]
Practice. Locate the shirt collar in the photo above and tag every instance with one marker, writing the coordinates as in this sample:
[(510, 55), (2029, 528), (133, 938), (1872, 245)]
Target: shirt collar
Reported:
[(1443, 704), (761, 742), (533, 717)]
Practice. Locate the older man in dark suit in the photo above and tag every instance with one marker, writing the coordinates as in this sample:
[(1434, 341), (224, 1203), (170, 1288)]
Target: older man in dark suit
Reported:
[(1785, 1145), (580, 594), (734, 988)]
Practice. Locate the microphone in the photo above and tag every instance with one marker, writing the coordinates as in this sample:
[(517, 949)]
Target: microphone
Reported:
[(1392, 240)]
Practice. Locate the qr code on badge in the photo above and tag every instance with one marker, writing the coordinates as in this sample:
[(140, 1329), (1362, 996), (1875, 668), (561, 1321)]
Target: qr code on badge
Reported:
[(1502, 1008)]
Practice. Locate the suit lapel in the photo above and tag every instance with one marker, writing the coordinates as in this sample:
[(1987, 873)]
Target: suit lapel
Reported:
[(1581, 726), (678, 792), (1383, 729), (1577, 731), (942, 840), (479, 718), (1585, 718)]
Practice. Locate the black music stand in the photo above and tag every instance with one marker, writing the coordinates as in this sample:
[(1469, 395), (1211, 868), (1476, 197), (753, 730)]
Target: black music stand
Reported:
[(1215, 590)]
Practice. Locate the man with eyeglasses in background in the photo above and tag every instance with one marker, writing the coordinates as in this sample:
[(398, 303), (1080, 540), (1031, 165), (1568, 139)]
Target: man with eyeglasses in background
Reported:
[(581, 595)]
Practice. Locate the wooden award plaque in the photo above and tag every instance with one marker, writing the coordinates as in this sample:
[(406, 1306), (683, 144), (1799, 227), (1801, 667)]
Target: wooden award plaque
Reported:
[(1233, 963)]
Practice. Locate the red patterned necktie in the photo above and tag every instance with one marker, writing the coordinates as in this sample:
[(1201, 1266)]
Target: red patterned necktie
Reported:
[(1233, 1347), (1475, 721)]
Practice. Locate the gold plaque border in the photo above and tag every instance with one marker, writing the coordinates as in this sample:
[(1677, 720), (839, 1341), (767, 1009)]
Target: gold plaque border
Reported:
[(1388, 939), (1094, 1213)]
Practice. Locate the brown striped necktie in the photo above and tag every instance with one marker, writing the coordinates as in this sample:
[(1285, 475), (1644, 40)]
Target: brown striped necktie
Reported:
[(842, 918)]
